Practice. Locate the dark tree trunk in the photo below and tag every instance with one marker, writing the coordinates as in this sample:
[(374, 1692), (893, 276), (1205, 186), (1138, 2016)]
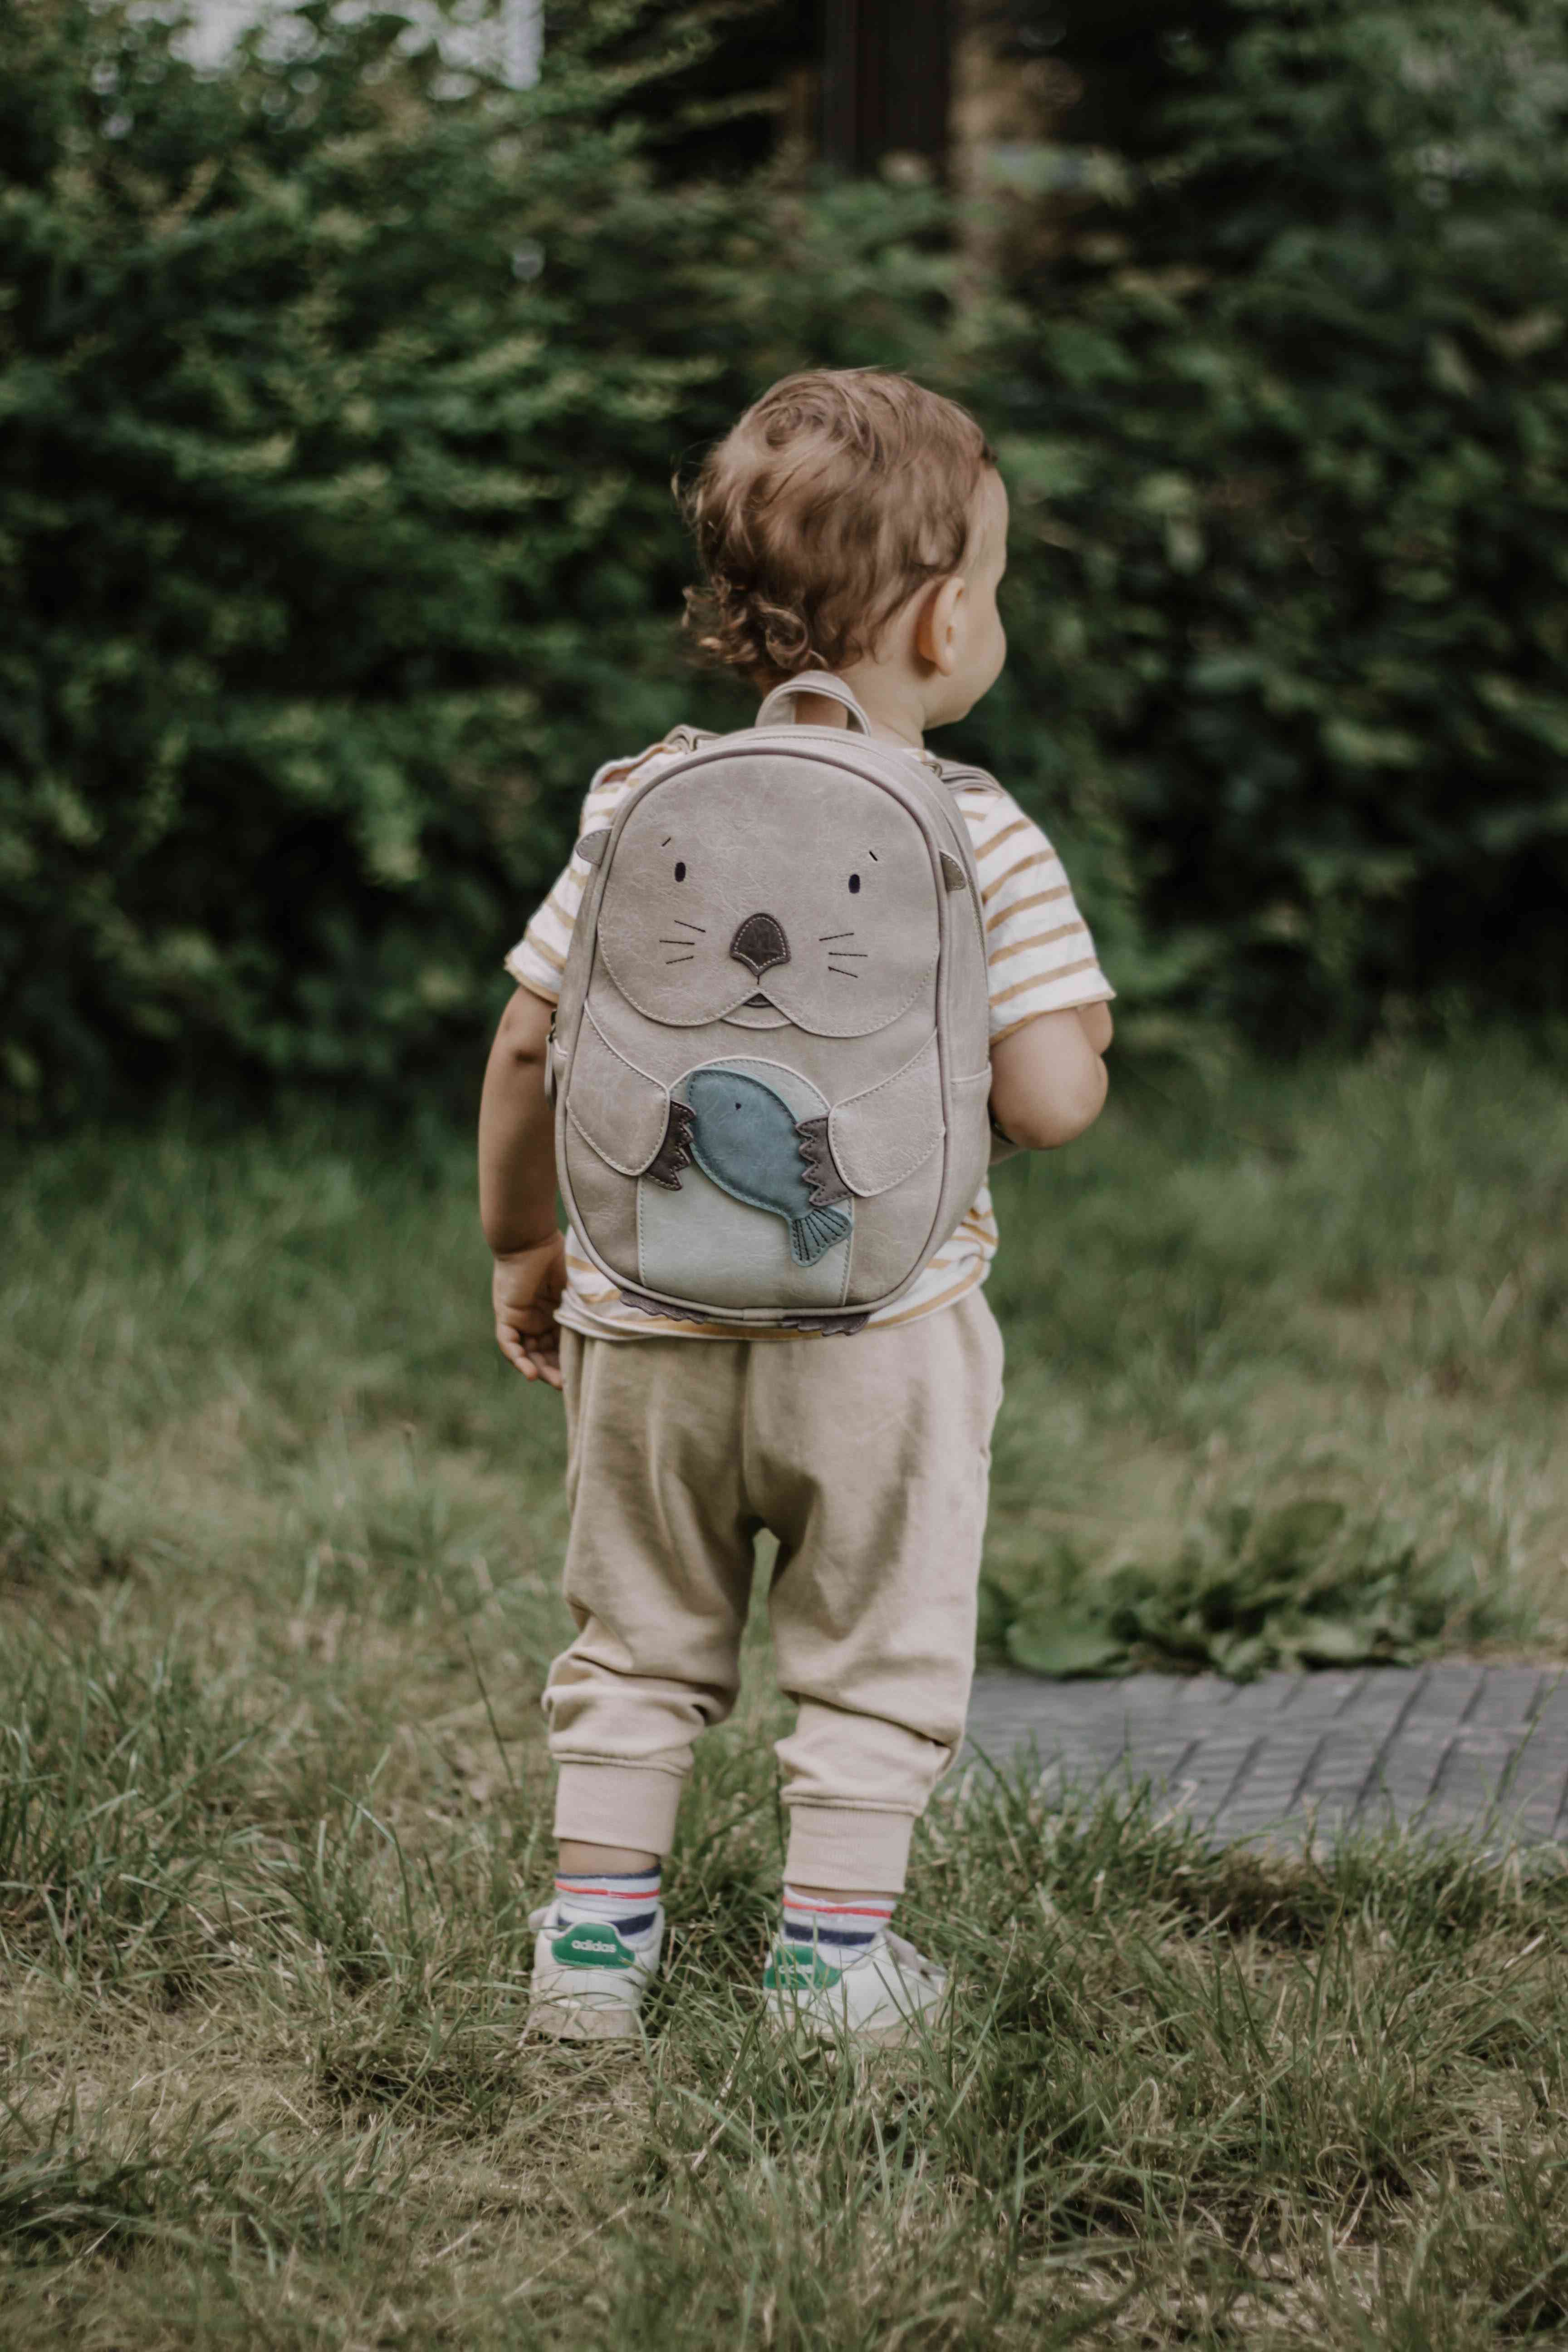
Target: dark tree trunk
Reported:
[(886, 81)]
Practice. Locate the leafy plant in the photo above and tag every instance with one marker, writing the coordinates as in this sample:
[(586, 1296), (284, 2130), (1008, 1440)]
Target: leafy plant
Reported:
[(337, 549), (334, 511), (1300, 1584), (1283, 404)]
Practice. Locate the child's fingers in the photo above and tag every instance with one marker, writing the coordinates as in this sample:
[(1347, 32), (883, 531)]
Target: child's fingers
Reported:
[(510, 1344), (536, 1355), (544, 1359)]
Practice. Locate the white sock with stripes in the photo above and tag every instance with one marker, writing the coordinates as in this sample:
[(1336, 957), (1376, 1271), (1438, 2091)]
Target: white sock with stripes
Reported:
[(628, 1900), (842, 1926)]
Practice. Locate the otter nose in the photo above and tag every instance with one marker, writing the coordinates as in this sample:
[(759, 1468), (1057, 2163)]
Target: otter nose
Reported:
[(760, 943)]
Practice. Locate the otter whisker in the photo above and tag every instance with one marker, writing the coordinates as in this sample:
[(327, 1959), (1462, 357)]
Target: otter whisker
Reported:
[(691, 926), (838, 972), (822, 937), (860, 954), (681, 959)]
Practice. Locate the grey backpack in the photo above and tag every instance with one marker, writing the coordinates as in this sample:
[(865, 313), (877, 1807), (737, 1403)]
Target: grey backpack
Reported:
[(770, 1062)]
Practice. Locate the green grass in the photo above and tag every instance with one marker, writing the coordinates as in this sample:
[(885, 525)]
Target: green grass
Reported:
[(278, 1565)]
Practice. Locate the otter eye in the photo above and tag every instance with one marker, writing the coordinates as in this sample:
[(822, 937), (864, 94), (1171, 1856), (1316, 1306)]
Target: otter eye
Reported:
[(681, 869), (854, 882)]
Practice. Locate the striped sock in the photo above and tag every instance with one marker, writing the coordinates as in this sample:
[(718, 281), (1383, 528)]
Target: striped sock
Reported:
[(629, 1902), (844, 1925)]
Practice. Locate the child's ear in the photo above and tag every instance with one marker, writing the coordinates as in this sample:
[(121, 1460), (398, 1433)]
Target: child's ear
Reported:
[(936, 631)]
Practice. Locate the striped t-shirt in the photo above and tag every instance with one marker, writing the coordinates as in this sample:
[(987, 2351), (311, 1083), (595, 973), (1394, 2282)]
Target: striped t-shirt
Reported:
[(1040, 959)]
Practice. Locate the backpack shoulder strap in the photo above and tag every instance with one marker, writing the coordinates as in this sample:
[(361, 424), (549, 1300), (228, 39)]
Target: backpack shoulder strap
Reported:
[(959, 776), (686, 739), (811, 681)]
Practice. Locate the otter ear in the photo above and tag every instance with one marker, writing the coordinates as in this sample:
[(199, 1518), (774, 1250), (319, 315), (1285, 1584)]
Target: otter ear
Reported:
[(592, 847), (952, 872)]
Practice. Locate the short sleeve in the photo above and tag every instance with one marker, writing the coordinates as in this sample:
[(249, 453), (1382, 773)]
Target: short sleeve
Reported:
[(1040, 955), (539, 958)]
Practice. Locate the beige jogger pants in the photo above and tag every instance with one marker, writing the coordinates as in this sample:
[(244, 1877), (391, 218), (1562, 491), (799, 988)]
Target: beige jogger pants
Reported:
[(867, 1458)]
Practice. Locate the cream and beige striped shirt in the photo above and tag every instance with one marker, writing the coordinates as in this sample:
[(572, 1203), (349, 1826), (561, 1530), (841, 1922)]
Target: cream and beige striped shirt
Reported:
[(1040, 958)]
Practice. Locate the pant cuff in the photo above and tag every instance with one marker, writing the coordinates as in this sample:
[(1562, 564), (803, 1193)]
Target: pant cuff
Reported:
[(617, 1804), (848, 1850)]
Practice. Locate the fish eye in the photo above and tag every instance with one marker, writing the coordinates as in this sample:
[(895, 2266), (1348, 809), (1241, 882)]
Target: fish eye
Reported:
[(681, 869), (854, 882)]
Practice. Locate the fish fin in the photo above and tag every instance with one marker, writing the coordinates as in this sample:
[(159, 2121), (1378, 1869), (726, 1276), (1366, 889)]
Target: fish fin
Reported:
[(823, 1181), (813, 1235), (675, 1152)]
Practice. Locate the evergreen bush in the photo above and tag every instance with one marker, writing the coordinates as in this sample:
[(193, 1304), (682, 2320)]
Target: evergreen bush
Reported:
[(1287, 417), (340, 396), (338, 399)]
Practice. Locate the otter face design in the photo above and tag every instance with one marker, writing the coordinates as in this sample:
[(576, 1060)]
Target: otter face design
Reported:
[(723, 906)]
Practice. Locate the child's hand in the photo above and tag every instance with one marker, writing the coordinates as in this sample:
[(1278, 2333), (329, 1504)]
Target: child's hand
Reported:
[(526, 1291)]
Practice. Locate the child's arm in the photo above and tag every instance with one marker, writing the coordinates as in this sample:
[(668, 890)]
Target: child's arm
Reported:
[(1048, 1081), (1098, 1026), (517, 1191)]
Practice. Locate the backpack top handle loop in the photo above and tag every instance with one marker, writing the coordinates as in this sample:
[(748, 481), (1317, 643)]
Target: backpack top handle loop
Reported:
[(811, 681)]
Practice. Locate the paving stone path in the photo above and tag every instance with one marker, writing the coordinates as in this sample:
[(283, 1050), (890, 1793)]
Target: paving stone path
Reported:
[(1443, 1747)]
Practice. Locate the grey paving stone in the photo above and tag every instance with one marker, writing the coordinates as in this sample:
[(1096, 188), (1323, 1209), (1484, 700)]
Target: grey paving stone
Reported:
[(1447, 1694), (1508, 1698), (1447, 1746)]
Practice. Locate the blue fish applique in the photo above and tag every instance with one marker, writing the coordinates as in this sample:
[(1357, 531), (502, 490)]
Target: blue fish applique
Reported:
[(745, 1138)]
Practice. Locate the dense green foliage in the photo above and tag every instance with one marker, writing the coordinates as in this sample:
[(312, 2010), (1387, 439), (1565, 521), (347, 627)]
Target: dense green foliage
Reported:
[(319, 513), (335, 526), (1286, 412), (341, 398)]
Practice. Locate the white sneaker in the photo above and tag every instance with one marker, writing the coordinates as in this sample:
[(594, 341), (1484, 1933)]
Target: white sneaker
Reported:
[(886, 1993), (589, 1981)]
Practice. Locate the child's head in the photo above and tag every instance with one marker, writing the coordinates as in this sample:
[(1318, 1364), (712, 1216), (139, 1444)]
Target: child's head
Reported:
[(853, 522)]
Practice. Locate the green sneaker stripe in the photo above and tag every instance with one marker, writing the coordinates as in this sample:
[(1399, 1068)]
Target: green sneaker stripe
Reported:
[(792, 1970), (592, 1944)]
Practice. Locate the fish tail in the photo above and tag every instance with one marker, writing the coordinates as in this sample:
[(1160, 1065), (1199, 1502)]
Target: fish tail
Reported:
[(811, 1235)]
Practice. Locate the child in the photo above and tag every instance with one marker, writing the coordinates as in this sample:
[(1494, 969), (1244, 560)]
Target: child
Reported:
[(855, 523)]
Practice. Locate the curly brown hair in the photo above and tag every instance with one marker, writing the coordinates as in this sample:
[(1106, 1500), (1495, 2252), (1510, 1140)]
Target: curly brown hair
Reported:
[(837, 494)]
